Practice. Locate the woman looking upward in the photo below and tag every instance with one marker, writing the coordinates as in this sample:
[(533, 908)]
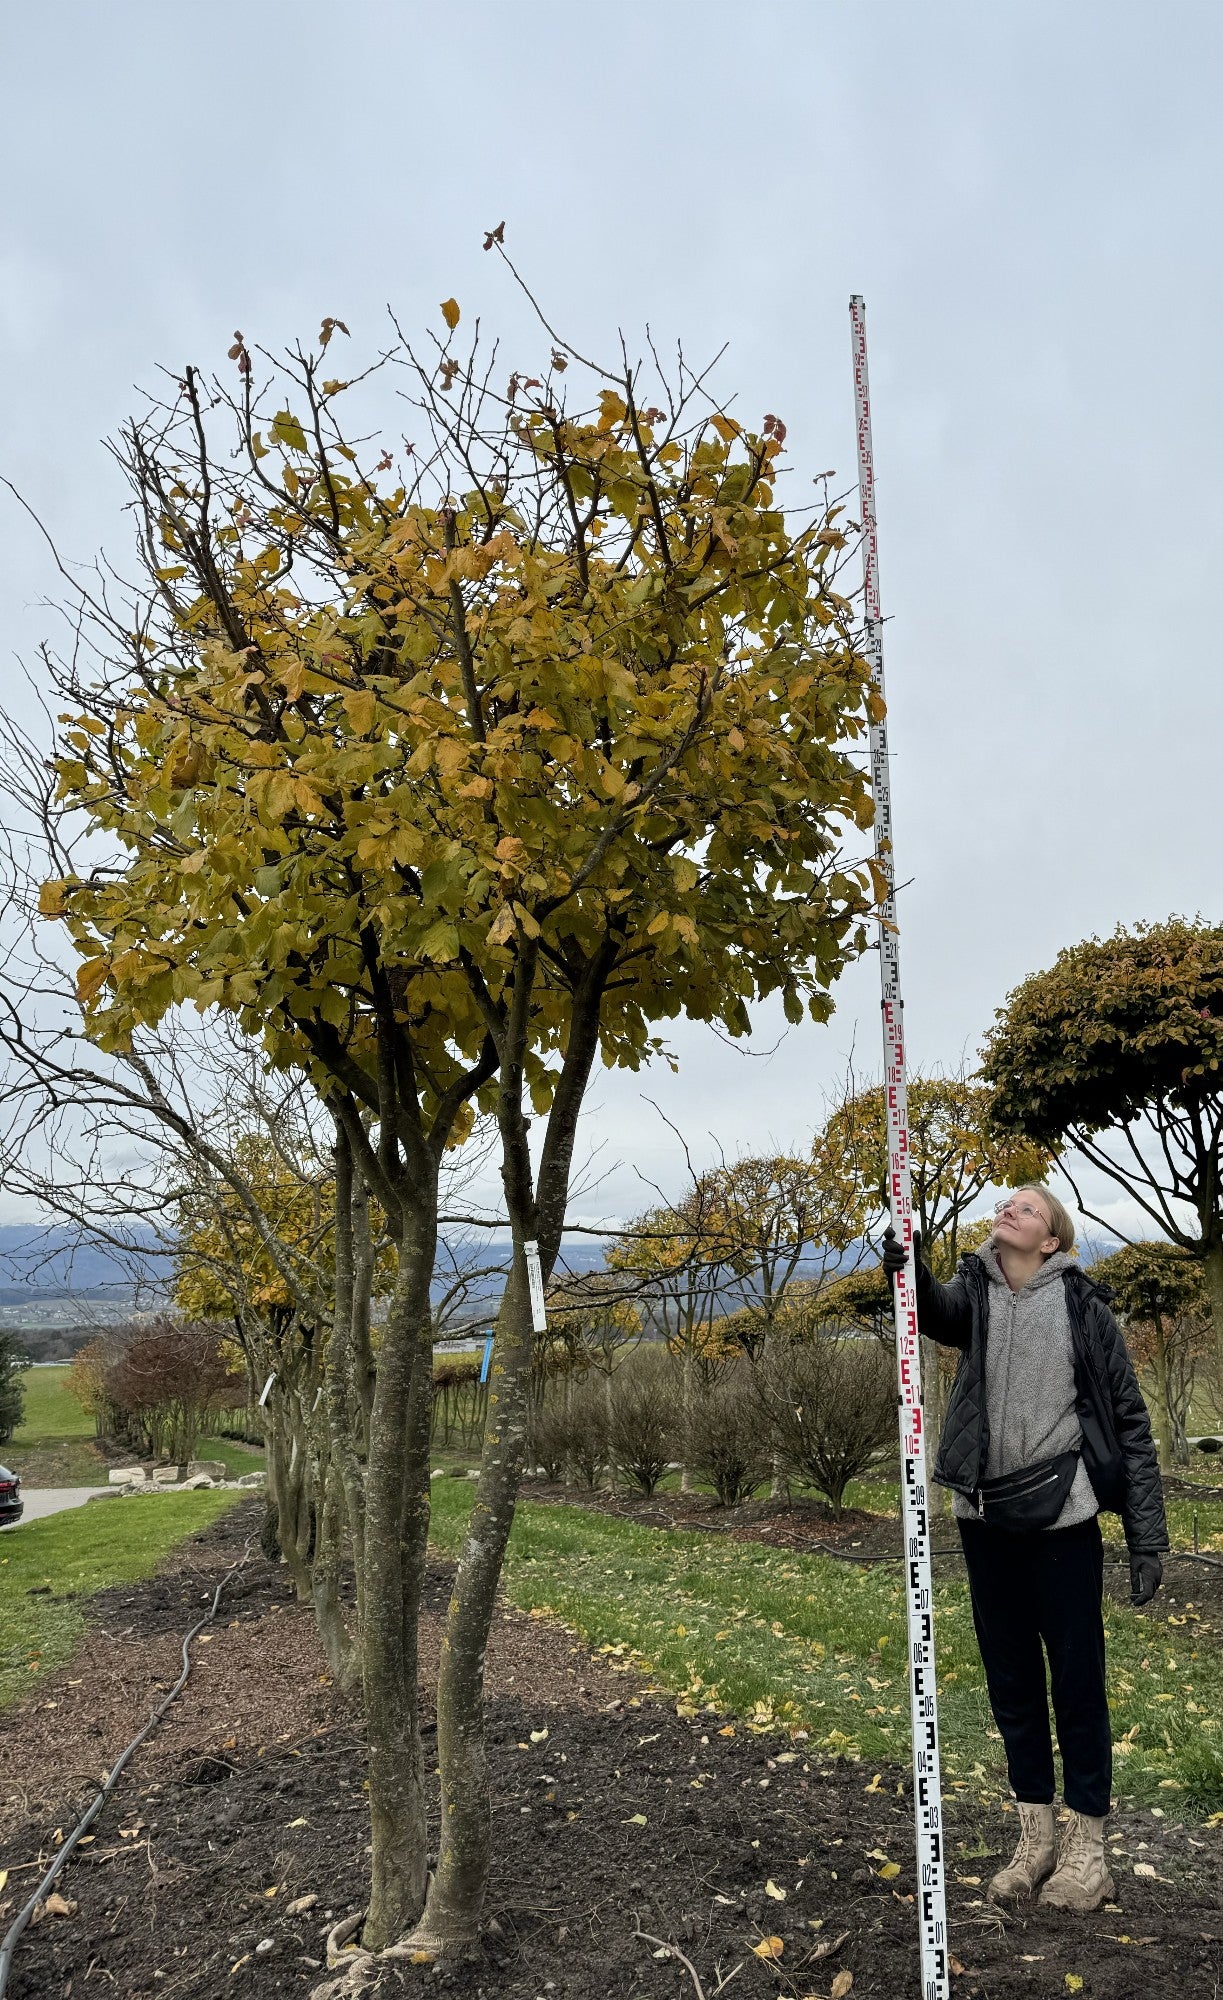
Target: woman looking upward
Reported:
[(1045, 1426)]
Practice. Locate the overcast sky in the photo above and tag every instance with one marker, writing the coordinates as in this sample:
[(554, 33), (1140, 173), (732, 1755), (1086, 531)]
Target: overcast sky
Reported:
[(1027, 196)]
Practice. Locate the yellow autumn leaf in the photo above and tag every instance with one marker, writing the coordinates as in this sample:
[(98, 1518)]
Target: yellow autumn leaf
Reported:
[(769, 1947), (889, 1871), (450, 313), (90, 977), (1074, 1983), (359, 705)]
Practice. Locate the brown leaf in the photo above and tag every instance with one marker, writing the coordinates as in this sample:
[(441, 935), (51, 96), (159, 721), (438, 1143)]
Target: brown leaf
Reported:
[(770, 1947), (840, 1986), (828, 1946), (55, 1905), (496, 235)]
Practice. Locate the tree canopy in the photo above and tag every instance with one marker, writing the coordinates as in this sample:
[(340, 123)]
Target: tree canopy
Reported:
[(1116, 1050), (954, 1153)]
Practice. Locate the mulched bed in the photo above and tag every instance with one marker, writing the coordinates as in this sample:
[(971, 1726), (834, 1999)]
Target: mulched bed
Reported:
[(238, 1838)]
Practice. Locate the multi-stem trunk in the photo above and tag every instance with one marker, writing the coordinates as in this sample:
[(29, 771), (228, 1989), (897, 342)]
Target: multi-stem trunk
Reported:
[(289, 1487), (536, 1210), (344, 1421), (396, 1531), (457, 1894)]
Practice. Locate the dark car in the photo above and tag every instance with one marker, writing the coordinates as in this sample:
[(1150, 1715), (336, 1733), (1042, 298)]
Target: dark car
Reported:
[(11, 1507)]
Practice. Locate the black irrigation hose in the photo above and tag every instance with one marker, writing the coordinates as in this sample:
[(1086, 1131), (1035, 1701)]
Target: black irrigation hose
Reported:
[(8, 1944)]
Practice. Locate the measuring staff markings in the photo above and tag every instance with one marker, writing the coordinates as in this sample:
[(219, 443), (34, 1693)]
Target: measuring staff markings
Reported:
[(923, 1701)]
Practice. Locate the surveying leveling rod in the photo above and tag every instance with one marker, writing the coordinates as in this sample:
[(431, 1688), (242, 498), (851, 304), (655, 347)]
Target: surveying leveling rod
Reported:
[(919, 1602)]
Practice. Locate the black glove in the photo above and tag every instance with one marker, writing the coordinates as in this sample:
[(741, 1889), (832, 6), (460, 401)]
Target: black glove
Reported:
[(1146, 1575), (893, 1255)]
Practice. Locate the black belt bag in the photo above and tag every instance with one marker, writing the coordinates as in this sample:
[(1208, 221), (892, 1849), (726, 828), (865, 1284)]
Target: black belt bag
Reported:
[(1032, 1498)]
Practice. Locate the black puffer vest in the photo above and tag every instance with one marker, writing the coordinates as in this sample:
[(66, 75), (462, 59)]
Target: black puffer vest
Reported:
[(1118, 1449)]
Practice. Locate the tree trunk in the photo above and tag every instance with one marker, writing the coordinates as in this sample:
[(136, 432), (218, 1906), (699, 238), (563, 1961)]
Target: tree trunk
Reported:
[(456, 1895), (329, 1616), (285, 1481), (396, 1530), (1165, 1427), (686, 1379), (457, 1892), (612, 1479), (1212, 1266)]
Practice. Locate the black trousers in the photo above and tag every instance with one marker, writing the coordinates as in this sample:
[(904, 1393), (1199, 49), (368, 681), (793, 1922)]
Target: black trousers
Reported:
[(1043, 1587)]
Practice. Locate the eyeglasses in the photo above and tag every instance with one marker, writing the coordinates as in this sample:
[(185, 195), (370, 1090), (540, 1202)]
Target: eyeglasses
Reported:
[(1023, 1208)]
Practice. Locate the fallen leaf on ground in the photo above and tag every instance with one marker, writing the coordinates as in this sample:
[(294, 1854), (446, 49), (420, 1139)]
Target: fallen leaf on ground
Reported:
[(636, 1819), (3, 1877), (1143, 1868), (771, 1889), (770, 1947), (827, 1946), (1074, 1982), (300, 1905), (956, 1967), (889, 1870), (55, 1906), (840, 1986)]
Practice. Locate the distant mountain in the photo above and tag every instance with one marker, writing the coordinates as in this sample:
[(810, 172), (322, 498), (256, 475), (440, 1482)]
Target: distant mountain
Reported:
[(59, 1261)]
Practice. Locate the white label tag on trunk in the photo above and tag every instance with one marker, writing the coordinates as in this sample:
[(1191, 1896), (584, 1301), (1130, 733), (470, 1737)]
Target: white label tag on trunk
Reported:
[(539, 1318), (267, 1389)]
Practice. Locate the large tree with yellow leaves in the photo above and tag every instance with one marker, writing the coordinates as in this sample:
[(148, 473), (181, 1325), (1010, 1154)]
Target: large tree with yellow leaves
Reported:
[(447, 768)]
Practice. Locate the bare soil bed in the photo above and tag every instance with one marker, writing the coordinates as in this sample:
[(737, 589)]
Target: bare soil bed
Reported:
[(238, 1836)]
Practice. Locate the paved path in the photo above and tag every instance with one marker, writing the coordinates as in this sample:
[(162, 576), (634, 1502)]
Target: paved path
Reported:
[(43, 1500)]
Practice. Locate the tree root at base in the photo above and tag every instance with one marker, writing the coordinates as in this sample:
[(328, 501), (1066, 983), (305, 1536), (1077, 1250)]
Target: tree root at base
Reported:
[(359, 1969)]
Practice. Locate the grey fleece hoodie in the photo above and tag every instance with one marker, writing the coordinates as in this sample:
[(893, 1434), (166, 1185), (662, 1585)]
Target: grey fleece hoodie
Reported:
[(1029, 1381)]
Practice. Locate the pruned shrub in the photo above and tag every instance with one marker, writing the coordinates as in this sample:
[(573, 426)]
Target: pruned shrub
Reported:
[(587, 1432), (642, 1430), (830, 1401), (727, 1437), (549, 1439)]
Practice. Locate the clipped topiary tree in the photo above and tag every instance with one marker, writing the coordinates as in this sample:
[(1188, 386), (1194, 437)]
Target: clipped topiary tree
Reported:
[(1117, 1052)]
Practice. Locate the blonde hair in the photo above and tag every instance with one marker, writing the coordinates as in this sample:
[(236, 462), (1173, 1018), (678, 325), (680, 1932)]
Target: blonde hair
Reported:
[(1061, 1223)]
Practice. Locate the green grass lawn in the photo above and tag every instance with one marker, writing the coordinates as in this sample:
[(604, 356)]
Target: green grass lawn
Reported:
[(237, 1458), (51, 1410), (788, 1641), (54, 1443), (78, 1553)]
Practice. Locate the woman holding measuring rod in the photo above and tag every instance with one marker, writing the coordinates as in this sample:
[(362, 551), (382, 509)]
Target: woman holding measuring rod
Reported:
[(1045, 1426)]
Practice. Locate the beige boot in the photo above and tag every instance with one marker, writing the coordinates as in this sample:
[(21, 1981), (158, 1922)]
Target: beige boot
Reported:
[(1081, 1880), (1033, 1859)]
